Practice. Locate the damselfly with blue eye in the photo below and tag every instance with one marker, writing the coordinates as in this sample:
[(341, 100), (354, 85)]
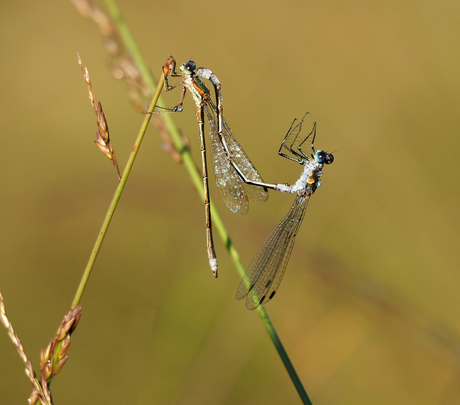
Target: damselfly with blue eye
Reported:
[(231, 164), (265, 272)]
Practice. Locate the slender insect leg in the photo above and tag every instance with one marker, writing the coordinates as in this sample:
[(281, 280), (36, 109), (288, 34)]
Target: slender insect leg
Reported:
[(178, 107), (313, 131), (207, 207)]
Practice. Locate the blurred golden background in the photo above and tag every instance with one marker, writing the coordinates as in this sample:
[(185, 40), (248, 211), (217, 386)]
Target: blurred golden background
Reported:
[(368, 309)]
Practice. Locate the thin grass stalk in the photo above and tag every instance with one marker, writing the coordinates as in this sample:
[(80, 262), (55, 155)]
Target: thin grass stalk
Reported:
[(117, 195), (284, 356), (198, 182)]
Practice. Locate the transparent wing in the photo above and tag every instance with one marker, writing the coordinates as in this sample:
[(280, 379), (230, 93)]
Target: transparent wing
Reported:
[(258, 194), (266, 270), (229, 184)]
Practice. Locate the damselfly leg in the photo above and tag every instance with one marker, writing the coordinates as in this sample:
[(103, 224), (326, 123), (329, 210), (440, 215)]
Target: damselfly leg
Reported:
[(292, 143)]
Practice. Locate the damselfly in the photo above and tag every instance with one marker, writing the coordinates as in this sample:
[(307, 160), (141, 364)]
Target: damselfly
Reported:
[(231, 164), (266, 270)]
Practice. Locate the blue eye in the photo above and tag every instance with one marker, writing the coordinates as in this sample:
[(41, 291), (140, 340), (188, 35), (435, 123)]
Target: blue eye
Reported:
[(323, 157), (320, 156)]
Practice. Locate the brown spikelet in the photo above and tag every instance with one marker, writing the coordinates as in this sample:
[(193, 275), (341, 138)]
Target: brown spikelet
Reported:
[(102, 134), (40, 391), (53, 358)]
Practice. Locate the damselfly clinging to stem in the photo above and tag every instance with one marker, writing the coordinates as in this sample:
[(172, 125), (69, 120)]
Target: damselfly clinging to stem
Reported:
[(231, 164), (266, 270)]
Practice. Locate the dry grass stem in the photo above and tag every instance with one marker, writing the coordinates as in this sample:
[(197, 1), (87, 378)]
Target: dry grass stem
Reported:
[(123, 67), (102, 134), (122, 63), (41, 392)]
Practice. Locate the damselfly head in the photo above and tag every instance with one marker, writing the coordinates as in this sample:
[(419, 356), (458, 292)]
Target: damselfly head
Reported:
[(189, 67), (323, 157)]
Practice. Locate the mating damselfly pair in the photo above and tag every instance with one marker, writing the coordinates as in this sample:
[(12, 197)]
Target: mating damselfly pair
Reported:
[(237, 178)]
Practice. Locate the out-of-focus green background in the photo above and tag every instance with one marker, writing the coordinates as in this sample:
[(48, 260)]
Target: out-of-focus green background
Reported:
[(368, 309)]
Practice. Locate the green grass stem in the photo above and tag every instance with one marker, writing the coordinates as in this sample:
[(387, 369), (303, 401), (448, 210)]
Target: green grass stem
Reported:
[(116, 196)]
